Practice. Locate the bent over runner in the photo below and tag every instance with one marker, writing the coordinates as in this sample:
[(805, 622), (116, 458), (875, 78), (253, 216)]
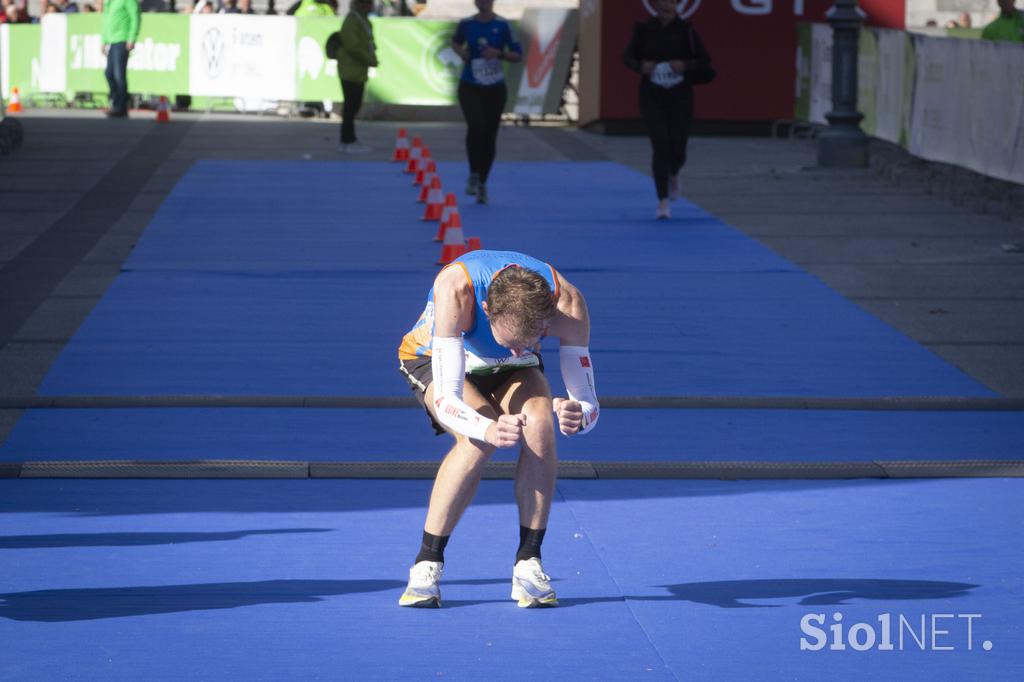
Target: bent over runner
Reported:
[(473, 360)]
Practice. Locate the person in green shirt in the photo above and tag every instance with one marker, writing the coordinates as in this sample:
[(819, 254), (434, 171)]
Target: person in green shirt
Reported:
[(355, 56), (120, 29), (314, 8), (1008, 26)]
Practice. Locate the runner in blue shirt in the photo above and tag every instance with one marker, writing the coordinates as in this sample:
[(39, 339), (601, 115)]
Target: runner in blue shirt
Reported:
[(483, 41), (473, 361)]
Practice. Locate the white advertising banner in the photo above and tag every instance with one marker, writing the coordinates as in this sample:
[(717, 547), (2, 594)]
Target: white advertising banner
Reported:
[(968, 105), (53, 53), (937, 121), (951, 100), (546, 29), (892, 93), (994, 110), (821, 72), (237, 55)]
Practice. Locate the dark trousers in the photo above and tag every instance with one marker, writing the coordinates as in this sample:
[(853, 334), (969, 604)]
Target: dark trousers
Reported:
[(352, 91), (667, 115), (117, 77), (481, 107)]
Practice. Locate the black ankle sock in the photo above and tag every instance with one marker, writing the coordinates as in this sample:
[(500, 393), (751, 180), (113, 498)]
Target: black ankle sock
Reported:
[(529, 543), (432, 548)]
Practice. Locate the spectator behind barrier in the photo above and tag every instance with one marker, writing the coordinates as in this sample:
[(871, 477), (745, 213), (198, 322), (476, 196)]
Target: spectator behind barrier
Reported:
[(119, 29), (1008, 26), (356, 54), (16, 12)]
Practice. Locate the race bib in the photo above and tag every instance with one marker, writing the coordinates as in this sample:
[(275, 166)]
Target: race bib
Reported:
[(478, 365), (664, 76), (487, 71)]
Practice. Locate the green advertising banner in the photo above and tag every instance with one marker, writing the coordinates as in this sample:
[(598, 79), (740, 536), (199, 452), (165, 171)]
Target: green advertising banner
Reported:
[(21, 59), (317, 77), (417, 62), (157, 66)]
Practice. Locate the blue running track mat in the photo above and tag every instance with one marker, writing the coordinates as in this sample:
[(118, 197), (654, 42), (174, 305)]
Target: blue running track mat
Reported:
[(299, 278), (624, 435), (710, 580)]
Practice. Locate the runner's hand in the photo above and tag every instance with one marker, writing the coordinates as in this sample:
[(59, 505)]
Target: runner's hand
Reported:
[(507, 431), (647, 68), (570, 415), (678, 65)]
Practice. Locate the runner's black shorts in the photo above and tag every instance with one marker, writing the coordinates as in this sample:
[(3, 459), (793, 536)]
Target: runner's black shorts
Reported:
[(419, 375)]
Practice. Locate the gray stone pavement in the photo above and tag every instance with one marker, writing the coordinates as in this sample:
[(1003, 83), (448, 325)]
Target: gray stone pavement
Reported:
[(75, 198)]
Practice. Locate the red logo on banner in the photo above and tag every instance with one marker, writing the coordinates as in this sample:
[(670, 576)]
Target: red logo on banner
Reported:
[(684, 8), (585, 361), (539, 64)]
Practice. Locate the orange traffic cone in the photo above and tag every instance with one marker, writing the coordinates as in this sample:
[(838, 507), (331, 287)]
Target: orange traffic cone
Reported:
[(14, 107), (473, 244), (435, 201), (425, 152), (415, 154), (428, 180), (163, 114), (401, 146), (454, 245), (424, 172), (450, 206)]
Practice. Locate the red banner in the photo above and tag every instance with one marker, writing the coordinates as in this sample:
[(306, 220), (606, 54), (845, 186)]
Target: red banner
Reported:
[(752, 45)]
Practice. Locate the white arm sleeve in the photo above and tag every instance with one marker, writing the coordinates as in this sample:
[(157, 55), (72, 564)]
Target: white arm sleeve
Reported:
[(448, 366), (578, 375)]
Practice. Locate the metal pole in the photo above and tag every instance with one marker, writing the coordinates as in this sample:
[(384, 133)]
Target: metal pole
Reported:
[(843, 144)]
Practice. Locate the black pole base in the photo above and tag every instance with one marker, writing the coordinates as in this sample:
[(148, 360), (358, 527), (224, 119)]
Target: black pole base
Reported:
[(843, 148)]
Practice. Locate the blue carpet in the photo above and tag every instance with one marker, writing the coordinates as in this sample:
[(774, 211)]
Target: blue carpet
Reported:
[(300, 278), (398, 434), (269, 580)]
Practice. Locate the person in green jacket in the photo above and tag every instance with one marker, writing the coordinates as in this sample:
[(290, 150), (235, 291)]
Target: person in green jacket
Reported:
[(120, 29), (355, 57), (1008, 26), (314, 8)]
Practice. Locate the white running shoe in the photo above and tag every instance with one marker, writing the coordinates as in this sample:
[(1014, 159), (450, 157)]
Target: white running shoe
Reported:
[(423, 590), (663, 212), (531, 588), (356, 148)]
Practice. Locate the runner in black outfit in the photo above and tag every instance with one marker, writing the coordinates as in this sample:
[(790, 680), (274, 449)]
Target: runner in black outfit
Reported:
[(672, 58)]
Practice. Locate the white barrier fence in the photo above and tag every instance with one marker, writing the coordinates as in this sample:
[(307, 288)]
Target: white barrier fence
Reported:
[(950, 100)]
